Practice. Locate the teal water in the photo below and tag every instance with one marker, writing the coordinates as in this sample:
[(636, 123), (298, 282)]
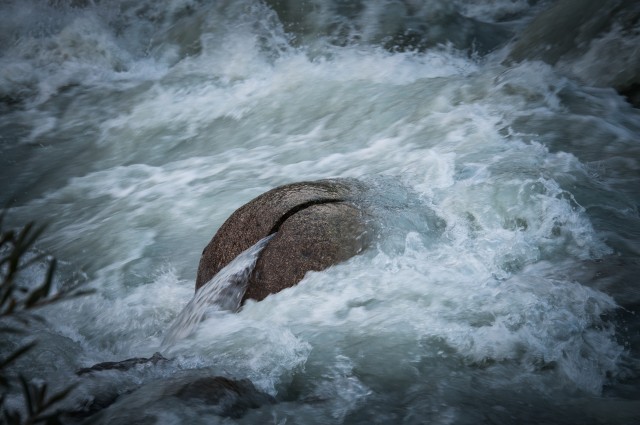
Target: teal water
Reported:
[(503, 290)]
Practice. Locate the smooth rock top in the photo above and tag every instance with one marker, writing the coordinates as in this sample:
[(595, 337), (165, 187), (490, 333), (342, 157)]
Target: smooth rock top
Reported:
[(312, 239), (318, 224)]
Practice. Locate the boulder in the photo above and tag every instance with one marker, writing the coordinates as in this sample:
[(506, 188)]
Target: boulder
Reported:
[(198, 398), (563, 28), (231, 397), (313, 239), (317, 224), (399, 26), (591, 40), (123, 365)]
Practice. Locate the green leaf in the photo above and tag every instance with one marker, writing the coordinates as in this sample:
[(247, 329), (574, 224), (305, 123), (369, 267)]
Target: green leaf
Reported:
[(60, 395), (12, 417), (6, 293), (26, 391), (16, 354), (34, 260), (43, 291), (12, 330), (40, 392)]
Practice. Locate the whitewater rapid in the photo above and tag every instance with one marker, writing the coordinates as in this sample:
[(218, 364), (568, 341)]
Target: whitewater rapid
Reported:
[(504, 284)]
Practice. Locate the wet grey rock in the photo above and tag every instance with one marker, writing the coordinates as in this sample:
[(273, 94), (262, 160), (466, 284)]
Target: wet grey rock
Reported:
[(403, 26), (200, 398), (232, 398), (631, 92), (122, 365), (561, 29), (591, 40), (318, 224), (102, 396)]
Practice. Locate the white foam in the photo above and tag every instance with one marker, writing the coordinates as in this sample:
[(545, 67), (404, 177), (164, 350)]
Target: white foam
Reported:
[(434, 301), (223, 292), (507, 188)]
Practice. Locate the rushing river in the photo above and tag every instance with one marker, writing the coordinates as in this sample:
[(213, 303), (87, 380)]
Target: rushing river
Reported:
[(503, 288)]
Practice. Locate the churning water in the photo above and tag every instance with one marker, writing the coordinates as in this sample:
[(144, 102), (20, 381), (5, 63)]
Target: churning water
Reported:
[(504, 286), (223, 292)]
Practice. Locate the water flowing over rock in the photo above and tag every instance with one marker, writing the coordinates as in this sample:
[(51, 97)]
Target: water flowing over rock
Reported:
[(223, 292), (205, 396), (497, 207), (577, 35), (318, 224), (397, 26), (123, 365)]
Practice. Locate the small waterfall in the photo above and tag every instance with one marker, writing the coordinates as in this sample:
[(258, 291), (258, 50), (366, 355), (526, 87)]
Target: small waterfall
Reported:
[(223, 292)]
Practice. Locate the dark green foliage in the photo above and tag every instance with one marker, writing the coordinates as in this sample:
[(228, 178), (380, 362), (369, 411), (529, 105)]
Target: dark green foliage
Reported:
[(17, 305), (15, 300), (37, 402)]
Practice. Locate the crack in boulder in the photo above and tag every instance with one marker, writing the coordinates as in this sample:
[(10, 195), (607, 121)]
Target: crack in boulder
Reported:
[(317, 224)]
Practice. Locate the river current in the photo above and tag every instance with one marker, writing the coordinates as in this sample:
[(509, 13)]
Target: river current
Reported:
[(503, 288)]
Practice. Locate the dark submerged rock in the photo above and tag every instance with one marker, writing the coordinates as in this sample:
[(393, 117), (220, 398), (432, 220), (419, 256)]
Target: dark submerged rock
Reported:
[(561, 29), (318, 224), (631, 93), (403, 26), (105, 396), (232, 398), (564, 34), (122, 365), (200, 396)]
